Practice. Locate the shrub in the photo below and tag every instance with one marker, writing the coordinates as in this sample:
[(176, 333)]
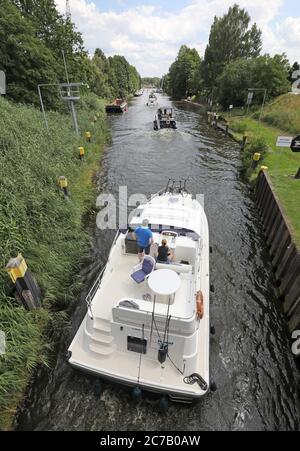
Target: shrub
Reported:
[(257, 144), (239, 127)]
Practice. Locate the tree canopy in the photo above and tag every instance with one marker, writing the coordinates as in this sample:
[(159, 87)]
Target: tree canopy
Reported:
[(32, 37), (230, 38), (232, 64), (183, 77), (264, 72)]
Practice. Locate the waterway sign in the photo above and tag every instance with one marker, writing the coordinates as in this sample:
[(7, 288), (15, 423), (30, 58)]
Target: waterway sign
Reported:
[(250, 97), (295, 144), (284, 141)]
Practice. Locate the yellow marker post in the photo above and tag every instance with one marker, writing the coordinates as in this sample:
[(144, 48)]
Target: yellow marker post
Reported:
[(255, 159), (264, 168), (63, 183), (16, 267), (88, 136), (81, 152), (26, 291)]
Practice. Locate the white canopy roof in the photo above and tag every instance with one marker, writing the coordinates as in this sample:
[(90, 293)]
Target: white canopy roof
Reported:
[(180, 211)]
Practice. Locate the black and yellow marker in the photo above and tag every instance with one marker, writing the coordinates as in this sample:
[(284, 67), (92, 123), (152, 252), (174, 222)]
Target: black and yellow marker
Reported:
[(63, 183), (255, 160), (81, 152), (264, 168), (27, 290), (88, 136)]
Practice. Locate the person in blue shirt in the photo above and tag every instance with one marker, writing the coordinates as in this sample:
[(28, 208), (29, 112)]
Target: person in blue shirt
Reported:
[(144, 238)]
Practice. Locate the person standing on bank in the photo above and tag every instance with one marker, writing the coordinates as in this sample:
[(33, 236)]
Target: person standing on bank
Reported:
[(144, 238)]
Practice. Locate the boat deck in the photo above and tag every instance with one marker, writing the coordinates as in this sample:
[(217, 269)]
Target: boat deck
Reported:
[(110, 294)]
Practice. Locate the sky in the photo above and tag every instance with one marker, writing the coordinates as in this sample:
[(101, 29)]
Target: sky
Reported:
[(149, 33)]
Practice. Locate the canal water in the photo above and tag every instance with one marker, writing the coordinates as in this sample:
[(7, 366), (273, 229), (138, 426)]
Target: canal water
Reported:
[(251, 361)]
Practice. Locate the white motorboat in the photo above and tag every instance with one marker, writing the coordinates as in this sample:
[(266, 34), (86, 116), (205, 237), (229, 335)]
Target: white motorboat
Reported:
[(152, 100), (164, 118), (147, 325)]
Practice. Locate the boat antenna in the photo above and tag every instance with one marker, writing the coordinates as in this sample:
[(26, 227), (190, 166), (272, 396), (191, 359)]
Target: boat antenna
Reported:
[(167, 187), (152, 320)]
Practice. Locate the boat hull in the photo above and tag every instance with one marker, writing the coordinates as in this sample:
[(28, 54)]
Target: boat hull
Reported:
[(176, 396), (116, 108)]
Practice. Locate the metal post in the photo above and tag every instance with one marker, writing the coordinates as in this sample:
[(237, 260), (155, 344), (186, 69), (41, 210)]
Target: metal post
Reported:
[(65, 64), (74, 117), (42, 106), (263, 104)]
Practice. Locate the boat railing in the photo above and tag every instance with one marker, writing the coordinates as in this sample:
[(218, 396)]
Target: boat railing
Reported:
[(175, 187), (91, 294)]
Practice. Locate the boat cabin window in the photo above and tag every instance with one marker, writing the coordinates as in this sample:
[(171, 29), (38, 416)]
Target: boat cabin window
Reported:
[(136, 344)]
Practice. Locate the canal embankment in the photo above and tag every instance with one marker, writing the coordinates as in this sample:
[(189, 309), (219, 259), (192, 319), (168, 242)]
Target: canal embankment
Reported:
[(48, 228)]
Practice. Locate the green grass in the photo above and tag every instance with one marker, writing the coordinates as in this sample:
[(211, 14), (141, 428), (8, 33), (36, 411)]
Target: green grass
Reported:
[(36, 220), (284, 113), (282, 166)]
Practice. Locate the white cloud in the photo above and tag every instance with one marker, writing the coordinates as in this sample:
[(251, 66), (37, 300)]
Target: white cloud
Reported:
[(150, 37)]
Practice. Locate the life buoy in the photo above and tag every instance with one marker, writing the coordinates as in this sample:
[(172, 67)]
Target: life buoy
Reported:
[(199, 304)]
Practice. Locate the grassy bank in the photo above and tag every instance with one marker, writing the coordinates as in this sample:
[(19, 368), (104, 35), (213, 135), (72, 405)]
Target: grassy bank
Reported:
[(36, 220), (280, 118)]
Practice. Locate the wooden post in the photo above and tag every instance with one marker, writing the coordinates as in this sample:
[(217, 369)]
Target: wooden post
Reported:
[(297, 176), (27, 290), (226, 129), (243, 143)]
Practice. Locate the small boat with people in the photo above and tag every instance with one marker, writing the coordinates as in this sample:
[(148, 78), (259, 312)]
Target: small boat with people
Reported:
[(164, 118), (152, 99), (117, 106), (147, 324)]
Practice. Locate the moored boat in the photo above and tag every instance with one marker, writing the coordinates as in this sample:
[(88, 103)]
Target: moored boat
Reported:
[(138, 93), (147, 324), (117, 106), (164, 118)]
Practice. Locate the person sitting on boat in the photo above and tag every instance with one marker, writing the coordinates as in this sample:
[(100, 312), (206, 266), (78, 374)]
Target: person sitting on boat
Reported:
[(144, 238), (165, 255)]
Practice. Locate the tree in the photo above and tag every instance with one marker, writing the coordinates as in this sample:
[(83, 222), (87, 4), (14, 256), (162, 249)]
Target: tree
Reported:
[(263, 72), (123, 78), (57, 33), (184, 73), (230, 39), (25, 59), (32, 37)]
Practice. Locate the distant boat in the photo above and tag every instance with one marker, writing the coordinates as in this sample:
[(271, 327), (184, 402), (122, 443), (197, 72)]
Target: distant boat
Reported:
[(118, 106), (138, 93), (164, 118), (152, 100)]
